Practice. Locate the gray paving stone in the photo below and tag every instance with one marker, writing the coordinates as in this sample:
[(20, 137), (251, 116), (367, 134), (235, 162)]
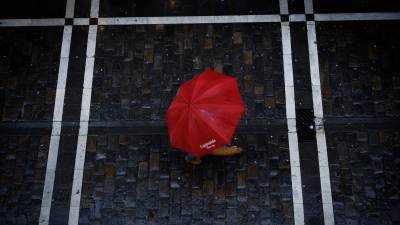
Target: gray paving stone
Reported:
[(174, 198), (22, 173)]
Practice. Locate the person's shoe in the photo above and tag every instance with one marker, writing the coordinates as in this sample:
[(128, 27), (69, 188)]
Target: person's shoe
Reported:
[(226, 151)]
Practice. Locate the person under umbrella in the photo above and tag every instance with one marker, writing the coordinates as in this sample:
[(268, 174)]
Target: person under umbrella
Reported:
[(204, 114)]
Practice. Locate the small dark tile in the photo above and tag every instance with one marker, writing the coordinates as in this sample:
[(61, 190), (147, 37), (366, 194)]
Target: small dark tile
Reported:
[(69, 21), (310, 17), (93, 21), (284, 18)]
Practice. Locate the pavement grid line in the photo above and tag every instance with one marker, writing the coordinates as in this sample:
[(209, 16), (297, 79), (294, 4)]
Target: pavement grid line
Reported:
[(202, 19), (73, 217), (57, 120)]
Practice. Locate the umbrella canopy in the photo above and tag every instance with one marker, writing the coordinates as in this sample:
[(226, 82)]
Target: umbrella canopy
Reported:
[(204, 113)]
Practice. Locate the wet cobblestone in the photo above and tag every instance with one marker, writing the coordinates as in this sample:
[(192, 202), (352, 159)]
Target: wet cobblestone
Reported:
[(110, 8), (29, 59), (358, 66), (23, 167), (143, 181), (138, 69), (364, 169)]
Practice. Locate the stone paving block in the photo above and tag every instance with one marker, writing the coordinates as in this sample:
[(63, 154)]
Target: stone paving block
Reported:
[(359, 178), (153, 76), (353, 78), (177, 197), (23, 160), (29, 68)]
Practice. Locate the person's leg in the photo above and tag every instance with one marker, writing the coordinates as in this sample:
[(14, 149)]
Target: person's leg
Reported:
[(192, 159), (226, 151)]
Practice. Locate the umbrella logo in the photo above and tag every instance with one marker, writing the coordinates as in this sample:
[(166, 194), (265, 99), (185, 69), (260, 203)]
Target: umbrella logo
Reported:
[(209, 144)]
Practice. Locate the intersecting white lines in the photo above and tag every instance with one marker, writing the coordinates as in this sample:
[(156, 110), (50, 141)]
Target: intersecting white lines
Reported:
[(76, 192), (202, 19)]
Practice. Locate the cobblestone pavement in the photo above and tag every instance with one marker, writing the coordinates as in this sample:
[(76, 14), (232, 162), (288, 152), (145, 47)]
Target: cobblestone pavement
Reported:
[(132, 176), (139, 68), (28, 71), (23, 166), (364, 167), (359, 72), (140, 180)]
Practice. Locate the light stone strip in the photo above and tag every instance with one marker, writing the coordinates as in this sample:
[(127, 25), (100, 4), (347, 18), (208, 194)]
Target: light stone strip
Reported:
[(94, 8), (76, 192), (357, 16), (298, 206), (58, 104), (283, 7), (70, 9), (189, 20), (326, 192), (297, 18), (202, 19), (56, 128), (308, 6), (81, 21), (32, 22)]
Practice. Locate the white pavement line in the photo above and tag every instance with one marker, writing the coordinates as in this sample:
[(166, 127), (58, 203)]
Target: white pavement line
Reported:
[(70, 9), (83, 125), (81, 21), (94, 8), (357, 16), (319, 124), (308, 6), (283, 7), (298, 207), (297, 18), (32, 22), (201, 19), (189, 20), (56, 128)]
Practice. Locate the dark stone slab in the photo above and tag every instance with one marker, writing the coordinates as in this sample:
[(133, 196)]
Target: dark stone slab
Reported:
[(343, 6), (311, 182), (301, 66), (23, 9), (82, 9), (186, 8), (76, 71), (296, 6)]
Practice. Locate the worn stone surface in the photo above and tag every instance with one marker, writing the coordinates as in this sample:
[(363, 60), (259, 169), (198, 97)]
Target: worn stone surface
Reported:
[(341, 6), (167, 190), (359, 68), (139, 68), (22, 172), (364, 175), (29, 59), (109, 8), (33, 9)]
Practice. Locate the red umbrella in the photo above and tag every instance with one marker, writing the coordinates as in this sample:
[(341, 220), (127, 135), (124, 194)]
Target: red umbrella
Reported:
[(204, 113)]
